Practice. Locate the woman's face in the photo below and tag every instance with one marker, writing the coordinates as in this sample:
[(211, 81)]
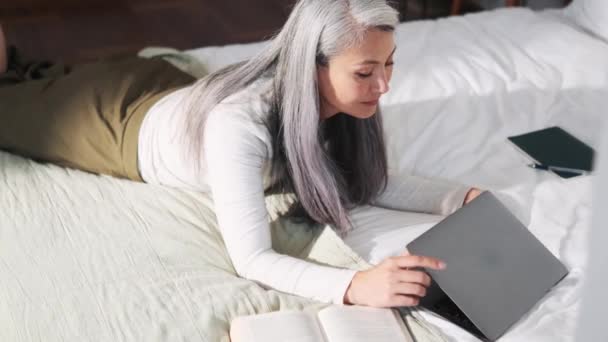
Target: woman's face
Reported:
[(354, 80)]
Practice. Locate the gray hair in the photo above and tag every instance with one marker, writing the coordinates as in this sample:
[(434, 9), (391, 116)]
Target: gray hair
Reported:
[(332, 165)]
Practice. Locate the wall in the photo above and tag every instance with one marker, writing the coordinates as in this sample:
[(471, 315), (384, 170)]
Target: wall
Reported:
[(535, 4), (85, 30)]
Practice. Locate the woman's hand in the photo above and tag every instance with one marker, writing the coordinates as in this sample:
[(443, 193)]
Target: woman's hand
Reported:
[(392, 282), (473, 192)]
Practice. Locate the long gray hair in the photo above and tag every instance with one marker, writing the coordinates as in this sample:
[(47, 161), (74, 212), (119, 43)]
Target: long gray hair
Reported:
[(333, 165)]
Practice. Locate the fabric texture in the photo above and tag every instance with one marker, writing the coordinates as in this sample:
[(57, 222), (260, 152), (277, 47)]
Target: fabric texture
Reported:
[(591, 15), (20, 69), (180, 59), (87, 118), (137, 262)]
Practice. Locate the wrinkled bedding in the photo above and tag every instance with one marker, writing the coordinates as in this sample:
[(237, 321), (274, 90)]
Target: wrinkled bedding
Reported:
[(93, 258)]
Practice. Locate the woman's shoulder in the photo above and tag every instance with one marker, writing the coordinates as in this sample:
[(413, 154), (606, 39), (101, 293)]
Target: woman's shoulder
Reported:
[(257, 92), (242, 117), (249, 106)]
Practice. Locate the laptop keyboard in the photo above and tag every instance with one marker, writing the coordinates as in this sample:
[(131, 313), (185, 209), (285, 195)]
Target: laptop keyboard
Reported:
[(446, 308)]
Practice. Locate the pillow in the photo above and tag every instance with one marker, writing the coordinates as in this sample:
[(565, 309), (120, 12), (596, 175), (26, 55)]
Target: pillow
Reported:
[(592, 15)]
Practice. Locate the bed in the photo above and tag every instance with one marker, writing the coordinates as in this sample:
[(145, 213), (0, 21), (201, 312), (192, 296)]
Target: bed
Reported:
[(93, 258)]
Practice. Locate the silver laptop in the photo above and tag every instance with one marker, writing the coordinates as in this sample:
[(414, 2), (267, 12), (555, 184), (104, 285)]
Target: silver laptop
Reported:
[(496, 269)]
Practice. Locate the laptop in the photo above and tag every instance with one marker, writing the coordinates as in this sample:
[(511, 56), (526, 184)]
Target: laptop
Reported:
[(496, 269)]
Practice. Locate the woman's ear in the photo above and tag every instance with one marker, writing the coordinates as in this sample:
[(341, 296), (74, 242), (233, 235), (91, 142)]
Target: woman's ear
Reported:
[(322, 75), (322, 60)]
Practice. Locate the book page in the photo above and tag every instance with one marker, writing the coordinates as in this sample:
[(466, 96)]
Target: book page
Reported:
[(361, 324), (295, 326)]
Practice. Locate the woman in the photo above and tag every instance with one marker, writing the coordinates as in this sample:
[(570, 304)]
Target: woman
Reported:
[(301, 116)]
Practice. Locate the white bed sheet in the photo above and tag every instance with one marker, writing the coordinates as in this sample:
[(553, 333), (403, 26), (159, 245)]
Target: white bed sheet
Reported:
[(99, 259), (461, 86)]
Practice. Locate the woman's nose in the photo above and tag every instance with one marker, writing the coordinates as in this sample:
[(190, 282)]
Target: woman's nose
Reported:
[(382, 83)]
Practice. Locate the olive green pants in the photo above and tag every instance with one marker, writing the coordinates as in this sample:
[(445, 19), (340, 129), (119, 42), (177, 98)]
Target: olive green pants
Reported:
[(89, 118)]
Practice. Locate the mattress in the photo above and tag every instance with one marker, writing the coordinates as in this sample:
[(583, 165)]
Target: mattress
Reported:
[(93, 258)]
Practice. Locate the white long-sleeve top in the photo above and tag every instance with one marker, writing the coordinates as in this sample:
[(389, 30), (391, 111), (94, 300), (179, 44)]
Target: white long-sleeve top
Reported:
[(236, 151)]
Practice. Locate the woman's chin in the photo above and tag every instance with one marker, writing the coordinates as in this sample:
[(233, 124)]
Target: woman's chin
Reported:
[(366, 114), (361, 112)]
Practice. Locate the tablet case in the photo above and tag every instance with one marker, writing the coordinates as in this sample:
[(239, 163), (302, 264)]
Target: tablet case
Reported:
[(554, 146)]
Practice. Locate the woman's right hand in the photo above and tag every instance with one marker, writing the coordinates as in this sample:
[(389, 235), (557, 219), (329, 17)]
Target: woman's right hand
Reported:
[(392, 282)]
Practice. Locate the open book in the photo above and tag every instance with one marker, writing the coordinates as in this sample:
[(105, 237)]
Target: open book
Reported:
[(349, 323)]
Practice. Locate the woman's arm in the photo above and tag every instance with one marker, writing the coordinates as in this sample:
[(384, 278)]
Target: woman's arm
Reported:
[(234, 153), (420, 194)]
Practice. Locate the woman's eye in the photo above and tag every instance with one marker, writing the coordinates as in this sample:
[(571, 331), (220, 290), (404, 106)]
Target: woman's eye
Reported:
[(363, 75)]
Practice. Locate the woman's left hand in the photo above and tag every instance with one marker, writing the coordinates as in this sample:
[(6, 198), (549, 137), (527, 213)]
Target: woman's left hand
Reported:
[(473, 192)]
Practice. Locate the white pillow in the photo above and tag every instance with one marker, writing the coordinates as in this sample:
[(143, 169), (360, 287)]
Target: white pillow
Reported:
[(592, 15)]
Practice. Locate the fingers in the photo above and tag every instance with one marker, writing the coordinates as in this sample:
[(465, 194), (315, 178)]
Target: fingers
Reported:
[(399, 280), (411, 261), (408, 294), (404, 300), (416, 277), (409, 289)]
